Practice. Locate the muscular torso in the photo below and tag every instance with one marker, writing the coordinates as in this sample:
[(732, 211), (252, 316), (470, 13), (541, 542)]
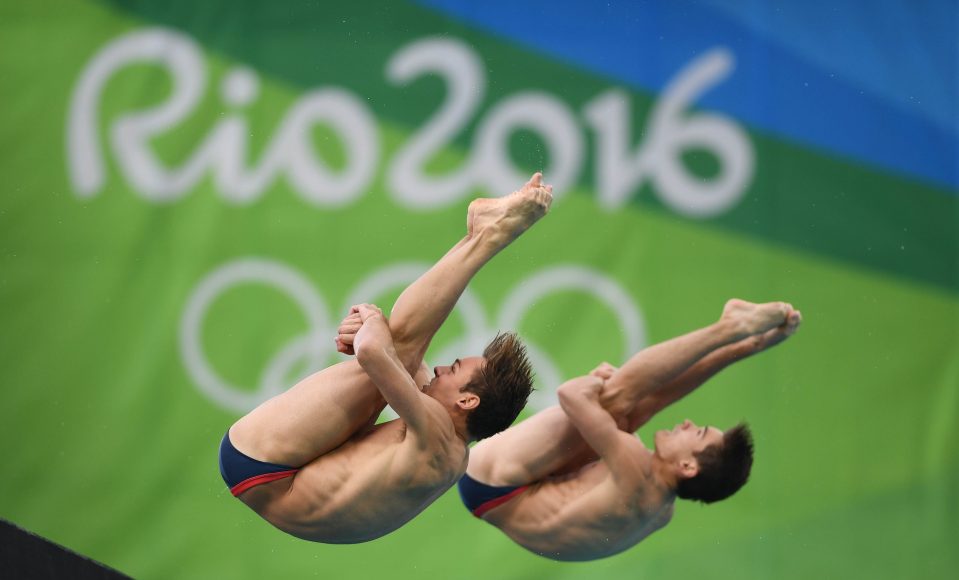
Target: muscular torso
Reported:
[(369, 486), (582, 515)]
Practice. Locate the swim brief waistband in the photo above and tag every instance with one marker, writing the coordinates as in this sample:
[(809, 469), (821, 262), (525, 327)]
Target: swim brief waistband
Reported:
[(241, 472), (479, 498)]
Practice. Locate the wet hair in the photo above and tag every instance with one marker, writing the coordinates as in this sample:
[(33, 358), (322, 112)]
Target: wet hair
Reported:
[(502, 384), (723, 467)]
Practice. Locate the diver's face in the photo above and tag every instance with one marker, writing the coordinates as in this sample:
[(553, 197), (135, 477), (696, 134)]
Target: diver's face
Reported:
[(447, 385), (685, 440)]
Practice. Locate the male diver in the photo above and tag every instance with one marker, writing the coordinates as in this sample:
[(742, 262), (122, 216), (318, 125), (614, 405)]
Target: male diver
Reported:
[(574, 483), (312, 462)]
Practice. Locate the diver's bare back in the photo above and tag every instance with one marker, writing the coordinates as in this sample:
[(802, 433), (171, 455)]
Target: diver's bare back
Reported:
[(557, 517), (369, 486)]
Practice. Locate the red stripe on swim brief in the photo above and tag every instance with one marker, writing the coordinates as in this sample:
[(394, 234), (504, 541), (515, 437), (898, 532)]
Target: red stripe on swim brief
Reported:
[(487, 506), (260, 480)]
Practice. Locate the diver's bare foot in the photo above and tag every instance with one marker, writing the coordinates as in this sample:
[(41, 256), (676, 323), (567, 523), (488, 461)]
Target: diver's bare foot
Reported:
[(508, 217), (771, 338), (752, 319)]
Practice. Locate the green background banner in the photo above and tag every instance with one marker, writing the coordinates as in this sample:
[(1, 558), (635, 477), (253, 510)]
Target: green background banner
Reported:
[(194, 193)]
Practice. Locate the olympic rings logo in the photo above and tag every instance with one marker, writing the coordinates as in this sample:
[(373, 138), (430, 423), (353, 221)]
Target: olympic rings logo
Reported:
[(315, 346)]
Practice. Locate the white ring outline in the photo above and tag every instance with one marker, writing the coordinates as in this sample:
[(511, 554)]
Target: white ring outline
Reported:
[(315, 344), (270, 273), (569, 277)]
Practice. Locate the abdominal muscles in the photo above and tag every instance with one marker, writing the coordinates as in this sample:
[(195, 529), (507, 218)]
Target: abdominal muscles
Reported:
[(366, 488), (578, 517)]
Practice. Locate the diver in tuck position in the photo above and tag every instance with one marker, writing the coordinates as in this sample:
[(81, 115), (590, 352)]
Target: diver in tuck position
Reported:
[(312, 462), (574, 483)]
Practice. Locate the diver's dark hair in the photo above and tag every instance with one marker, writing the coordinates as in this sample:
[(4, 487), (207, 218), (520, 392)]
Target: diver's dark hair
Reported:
[(723, 467), (502, 384)]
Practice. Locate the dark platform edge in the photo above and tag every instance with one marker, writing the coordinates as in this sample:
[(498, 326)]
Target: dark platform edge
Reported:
[(27, 556)]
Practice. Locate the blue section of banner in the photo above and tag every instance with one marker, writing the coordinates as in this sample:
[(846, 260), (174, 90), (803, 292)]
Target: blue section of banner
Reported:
[(821, 86), (904, 51)]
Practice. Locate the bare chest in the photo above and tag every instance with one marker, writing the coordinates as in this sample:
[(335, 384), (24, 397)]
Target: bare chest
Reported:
[(385, 456), (582, 516), (368, 487)]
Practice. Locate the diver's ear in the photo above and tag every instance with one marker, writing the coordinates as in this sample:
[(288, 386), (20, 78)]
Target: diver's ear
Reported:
[(689, 468), (468, 401)]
